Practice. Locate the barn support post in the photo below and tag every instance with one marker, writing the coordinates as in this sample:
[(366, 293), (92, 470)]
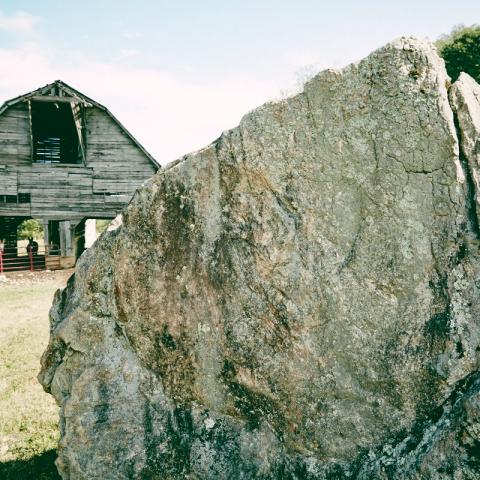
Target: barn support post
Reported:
[(65, 238), (46, 236), (73, 237)]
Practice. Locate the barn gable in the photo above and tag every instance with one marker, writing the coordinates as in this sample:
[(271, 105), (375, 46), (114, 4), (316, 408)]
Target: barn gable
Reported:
[(61, 93)]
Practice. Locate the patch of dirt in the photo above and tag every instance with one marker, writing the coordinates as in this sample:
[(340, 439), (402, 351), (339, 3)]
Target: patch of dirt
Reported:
[(25, 278)]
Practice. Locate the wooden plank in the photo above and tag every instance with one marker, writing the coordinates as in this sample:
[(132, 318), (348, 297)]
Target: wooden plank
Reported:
[(15, 210), (8, 183), (57, 98), (30, 128)]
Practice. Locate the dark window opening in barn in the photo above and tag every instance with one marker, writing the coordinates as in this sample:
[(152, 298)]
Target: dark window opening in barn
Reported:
[(8, 199), (21, 198), (54, 133), (24, 198)]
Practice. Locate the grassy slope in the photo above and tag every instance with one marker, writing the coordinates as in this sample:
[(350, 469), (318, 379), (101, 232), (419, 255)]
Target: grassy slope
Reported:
[(28, 416)]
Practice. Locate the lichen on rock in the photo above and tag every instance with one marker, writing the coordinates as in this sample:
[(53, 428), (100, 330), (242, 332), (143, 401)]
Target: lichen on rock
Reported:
[(298, 300)]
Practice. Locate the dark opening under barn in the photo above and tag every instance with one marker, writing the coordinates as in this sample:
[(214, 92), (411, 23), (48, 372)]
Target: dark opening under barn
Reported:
[(55, 134)]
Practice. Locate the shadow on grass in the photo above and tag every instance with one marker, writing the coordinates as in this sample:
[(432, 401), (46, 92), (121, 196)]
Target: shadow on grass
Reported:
[(40, 467)]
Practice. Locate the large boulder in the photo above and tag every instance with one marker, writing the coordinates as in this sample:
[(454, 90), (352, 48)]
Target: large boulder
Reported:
[(298, 300)]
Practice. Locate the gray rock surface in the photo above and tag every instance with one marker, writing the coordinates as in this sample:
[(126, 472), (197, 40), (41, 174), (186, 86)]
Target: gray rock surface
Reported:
[(298, 300)]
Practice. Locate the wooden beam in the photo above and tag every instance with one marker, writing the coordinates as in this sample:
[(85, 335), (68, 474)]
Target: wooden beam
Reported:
[(31, 129), (77, 114), (58, 99)]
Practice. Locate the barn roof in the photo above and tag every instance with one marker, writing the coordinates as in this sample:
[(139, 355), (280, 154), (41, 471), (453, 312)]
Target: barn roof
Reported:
[(59, 90)]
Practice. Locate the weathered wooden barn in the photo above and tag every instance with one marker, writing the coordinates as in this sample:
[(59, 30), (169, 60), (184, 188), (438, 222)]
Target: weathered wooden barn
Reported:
[(64, 158)]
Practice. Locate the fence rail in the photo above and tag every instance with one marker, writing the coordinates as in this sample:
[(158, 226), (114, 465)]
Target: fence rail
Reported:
[(25, 258)]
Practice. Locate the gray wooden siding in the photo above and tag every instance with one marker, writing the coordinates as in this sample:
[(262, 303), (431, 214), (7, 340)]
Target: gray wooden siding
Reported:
[(15, 136), (8, 181), (119, 166)]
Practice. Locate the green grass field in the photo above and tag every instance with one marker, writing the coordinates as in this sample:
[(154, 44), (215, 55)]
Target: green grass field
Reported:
[(28, 416)]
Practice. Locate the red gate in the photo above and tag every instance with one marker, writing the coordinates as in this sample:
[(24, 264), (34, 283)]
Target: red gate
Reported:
[(25, 258)]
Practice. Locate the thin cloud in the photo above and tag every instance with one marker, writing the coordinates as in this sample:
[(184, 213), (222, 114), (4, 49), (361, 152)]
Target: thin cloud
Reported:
[(18, 22), (129, 52), (132, 35)]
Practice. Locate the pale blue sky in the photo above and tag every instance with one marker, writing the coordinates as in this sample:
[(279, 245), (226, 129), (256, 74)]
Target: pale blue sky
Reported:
[(177, 73)]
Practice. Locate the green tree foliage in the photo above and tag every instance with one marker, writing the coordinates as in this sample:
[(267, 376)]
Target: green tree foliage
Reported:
[(101, 226), (461, 51), (30, 228)]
